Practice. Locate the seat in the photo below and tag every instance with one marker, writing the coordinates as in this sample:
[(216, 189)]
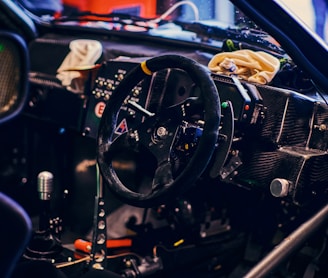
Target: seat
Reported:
[(15, 233), (15, 224), (13, 75)]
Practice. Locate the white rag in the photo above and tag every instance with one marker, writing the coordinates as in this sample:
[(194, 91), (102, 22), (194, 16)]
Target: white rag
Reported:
[(254, 66), (82, 56)]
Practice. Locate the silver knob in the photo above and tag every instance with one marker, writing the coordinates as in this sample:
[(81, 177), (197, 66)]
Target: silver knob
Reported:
[(45, 185), (279, 187)]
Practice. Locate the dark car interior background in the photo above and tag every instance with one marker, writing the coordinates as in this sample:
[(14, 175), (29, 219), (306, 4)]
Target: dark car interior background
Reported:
[(153, 139)]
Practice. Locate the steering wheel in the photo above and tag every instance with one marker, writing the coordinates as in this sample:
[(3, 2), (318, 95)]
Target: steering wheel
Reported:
[(157, 133)]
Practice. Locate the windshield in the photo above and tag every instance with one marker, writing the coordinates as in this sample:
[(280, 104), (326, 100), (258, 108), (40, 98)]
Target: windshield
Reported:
[(310, 12), (284, 29), (313, 13)]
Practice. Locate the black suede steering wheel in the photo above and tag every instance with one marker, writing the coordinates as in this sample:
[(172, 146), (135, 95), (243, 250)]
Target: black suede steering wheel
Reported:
[(158, 132)]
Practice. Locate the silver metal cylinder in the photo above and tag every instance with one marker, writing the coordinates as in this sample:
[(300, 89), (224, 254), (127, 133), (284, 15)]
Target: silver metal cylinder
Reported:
[(45, 185)]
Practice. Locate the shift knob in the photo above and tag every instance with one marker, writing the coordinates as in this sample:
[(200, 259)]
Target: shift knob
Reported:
[(45, 185)]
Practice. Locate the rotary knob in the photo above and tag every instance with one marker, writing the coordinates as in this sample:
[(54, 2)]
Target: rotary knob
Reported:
[(280, 187)]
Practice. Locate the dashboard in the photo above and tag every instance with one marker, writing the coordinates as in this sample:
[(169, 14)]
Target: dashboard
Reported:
[(284, 121)]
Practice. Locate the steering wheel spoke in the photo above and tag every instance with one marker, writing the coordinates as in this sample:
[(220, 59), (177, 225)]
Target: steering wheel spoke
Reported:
[(163, 177)]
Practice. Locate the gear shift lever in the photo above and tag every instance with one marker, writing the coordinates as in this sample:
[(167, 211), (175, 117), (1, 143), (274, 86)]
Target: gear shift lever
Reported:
[(45, 189), (44, 243)]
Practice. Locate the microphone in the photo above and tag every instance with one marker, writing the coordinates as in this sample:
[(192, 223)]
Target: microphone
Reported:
[(45, 189)]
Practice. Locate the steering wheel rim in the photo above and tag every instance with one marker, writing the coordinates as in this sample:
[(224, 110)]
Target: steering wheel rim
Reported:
[(206, 144)]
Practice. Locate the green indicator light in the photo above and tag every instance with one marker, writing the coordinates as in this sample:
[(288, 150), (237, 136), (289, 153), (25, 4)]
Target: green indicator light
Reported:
[(2, 47), (230, 44), (225, 104)]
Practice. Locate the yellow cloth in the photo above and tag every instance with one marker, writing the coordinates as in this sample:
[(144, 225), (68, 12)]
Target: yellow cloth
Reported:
[(253, 66)]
